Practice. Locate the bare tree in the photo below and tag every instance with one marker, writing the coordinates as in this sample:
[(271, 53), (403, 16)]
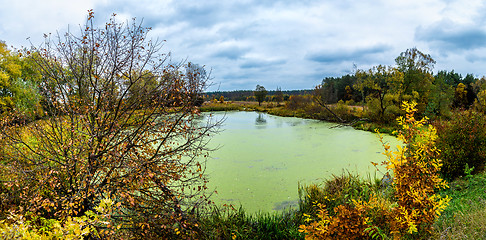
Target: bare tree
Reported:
[(194, 74), (279, 95), (122, 125)]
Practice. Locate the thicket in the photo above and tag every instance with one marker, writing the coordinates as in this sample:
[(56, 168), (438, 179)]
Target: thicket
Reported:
[(462, 142), (19, 92)]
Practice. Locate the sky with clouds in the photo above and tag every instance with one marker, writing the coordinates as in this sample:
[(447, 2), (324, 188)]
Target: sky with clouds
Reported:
[(277, 43)]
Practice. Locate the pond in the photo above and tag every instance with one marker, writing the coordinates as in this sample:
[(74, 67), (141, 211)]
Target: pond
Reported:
[(262, 158)]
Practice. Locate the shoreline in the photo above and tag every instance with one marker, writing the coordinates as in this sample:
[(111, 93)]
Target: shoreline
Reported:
[(352, 114)]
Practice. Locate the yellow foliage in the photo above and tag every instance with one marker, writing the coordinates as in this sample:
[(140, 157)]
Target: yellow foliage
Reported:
[(349, 223), (19, 227), (416, 176)]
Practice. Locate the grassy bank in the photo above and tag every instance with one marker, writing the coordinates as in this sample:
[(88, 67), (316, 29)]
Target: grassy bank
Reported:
[(465, 217)]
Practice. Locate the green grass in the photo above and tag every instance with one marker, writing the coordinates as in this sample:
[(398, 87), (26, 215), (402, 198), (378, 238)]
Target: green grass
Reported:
[(230, 223), (215, 107), (465, 217)]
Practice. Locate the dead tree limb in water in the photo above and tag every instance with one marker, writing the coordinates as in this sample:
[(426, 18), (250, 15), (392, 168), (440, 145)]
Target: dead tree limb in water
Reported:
[(319, 98)]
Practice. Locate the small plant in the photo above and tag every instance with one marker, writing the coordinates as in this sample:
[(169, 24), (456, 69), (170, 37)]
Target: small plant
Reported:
[(468, 171)]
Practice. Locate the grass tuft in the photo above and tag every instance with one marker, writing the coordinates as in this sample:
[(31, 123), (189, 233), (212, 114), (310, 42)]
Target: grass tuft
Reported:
[(229, 223)]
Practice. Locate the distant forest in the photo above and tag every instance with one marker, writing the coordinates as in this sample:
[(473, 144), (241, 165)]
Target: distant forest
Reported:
[(247, 95)]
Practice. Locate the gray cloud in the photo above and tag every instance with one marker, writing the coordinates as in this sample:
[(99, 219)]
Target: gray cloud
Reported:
[(342, 55), (472, 58), (449, 37), (260, 63), (230, 52), (203, 15)]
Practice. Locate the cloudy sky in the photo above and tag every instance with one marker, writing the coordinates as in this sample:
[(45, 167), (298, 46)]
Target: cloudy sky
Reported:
[(292, 44)]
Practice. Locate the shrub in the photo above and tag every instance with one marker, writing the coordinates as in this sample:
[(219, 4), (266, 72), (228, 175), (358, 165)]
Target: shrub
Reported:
[(298, 102), (337, 207), (348, 223), (416, 177), (91, 225), (462, 140)]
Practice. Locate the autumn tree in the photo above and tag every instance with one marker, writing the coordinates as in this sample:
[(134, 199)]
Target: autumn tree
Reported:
[(384, 85), (417, 80), (480, 89), (260, 94), (348, 93), (19, 93), (460, 95), (100, 141)]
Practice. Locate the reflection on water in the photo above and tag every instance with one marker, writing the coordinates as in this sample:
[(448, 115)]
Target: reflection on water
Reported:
[(262, 158), (260, 121)]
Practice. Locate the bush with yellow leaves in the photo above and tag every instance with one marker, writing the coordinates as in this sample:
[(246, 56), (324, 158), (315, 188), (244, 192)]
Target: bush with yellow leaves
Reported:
[(349, 223), (91, 224), (416, 169)]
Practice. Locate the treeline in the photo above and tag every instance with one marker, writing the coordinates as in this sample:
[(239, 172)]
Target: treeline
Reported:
[(382, 88), (345, 88), (248, 95)]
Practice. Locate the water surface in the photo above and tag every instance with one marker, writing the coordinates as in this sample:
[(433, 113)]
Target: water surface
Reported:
[(262, 158)]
